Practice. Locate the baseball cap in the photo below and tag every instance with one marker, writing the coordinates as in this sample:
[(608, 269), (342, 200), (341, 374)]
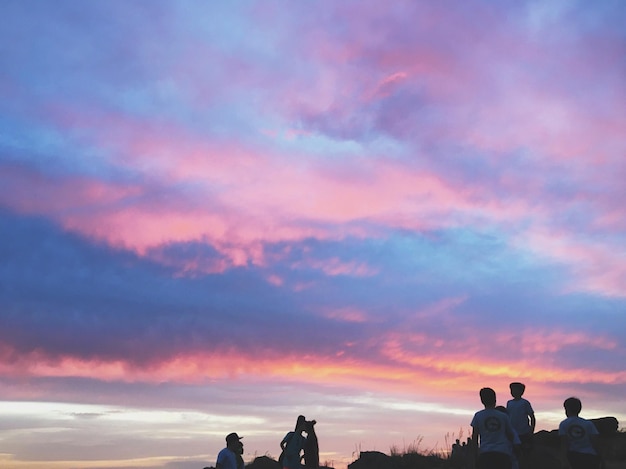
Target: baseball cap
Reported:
[(232, 437)]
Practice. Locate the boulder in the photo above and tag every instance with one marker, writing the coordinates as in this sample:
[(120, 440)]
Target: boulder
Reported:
[(606, 425), (544, 457), (372, 460), (545, 438), (263, 462)]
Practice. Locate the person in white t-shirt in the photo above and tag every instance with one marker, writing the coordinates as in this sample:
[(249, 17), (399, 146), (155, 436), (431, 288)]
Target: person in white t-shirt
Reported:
[(292, 446), (492, 434), (523, 418), (579, 447), (231, 456), (515, 444)]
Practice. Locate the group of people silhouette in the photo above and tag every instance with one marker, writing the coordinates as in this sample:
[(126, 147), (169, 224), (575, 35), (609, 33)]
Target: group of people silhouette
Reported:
[(502, 438), (297, 450)]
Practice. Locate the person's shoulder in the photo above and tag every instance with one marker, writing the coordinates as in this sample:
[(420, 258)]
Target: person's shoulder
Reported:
[(477, 416), (488, 413), (584, 421), (593, 430), (503, 416)]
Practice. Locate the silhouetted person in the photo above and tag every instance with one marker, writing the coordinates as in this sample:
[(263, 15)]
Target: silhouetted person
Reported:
[(231, 456), (311, 446), (515, 444), (492, 434), (522, 418), (292, 445), (457, 458), (579, 447), (465, 453)]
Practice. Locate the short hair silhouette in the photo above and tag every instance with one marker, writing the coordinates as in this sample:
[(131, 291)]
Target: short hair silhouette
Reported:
[(311, 446), (572, 405), (488, 397)]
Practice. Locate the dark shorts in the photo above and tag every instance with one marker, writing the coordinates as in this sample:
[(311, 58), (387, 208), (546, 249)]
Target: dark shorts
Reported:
[(494, 460), (583, 460), (527, 443)]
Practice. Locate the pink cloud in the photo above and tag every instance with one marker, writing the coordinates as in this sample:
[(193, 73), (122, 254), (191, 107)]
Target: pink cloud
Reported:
[(469, 367), (230, 196), (237, 195), (388, 84), (335, 266), (407, 359), (237, 198), (597, 266), (348, 315), (32, 192), (536, 342)]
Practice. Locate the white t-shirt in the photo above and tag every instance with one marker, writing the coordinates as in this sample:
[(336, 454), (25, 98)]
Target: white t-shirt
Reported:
[(519, 411), (492, 427), (227, 459), (294, 444), (578, 432)]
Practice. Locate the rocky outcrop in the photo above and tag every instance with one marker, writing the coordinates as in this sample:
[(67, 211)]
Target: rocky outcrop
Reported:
[(545, 455), (372, 460), (612, 443), (606, 425), (378, 460), (263, 462)]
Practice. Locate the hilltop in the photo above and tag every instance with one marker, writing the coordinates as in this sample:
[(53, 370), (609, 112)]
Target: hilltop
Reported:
[(545, 454)]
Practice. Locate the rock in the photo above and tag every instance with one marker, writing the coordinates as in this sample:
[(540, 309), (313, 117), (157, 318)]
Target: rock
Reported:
[(606, 425), (546, 438), (371, 460), (263, 462)]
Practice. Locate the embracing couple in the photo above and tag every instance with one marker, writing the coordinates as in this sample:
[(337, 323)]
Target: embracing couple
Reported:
[(295, 443)]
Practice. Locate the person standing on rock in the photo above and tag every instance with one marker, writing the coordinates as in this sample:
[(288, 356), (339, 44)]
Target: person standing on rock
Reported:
[(579, 446), (492, 434), (522, 418)]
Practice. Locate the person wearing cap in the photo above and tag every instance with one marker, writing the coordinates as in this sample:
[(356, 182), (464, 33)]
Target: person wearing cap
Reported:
[(231, 456)]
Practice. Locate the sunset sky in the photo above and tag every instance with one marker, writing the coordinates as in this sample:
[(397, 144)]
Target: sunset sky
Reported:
[(215, 216)]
